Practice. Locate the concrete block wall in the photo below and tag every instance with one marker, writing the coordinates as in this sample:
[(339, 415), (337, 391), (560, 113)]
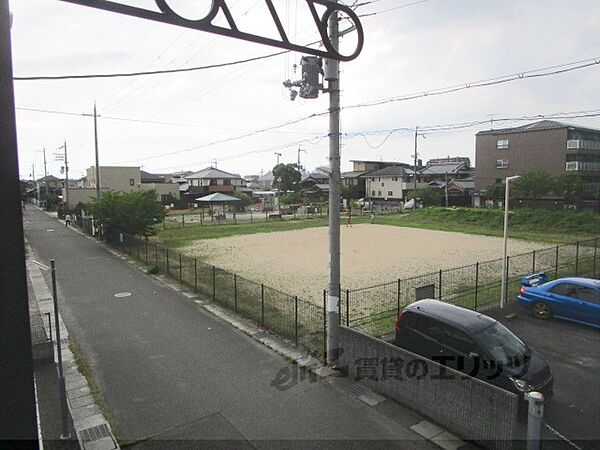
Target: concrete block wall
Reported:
[(475, 410)]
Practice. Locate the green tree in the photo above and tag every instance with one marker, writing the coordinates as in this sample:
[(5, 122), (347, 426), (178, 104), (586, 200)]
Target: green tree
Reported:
[(350, 191), (291, 198), (495, 192), (569, 186), (533, 184), (286, 177), (245, 200), (131, 212), (428, 196)]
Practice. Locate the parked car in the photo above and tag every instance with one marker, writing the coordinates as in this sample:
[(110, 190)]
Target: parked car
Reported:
[(575, 299), (473, 343)]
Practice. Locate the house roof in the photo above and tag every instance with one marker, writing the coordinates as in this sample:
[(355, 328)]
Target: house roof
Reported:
[(465, 183), (396, 163), (354, 174), (49, 178), (148, 177), (217, 197), (267, 177), (212, 172), (315, 176), (542, 125), (440, 169), (391, 171)]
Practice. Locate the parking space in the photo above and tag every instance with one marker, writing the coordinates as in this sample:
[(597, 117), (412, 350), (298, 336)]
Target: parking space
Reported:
[(573, 353)]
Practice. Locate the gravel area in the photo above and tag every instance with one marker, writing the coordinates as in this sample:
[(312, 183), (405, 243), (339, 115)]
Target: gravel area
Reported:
[(296, 262)]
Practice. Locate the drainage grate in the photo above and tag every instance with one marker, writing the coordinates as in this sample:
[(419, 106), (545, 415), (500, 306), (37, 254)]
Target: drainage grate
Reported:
[(357, 389), (45, 299), (95, 433)]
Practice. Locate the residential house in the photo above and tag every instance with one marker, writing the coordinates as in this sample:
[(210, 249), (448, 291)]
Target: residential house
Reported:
[(212, 180), (443, 169), (390, 184), (166, 191), (355, 180), (114, 178), (555, 147)]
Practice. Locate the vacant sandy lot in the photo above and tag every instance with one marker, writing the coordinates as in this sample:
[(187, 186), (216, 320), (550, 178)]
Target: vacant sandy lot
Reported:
[(296, 261)]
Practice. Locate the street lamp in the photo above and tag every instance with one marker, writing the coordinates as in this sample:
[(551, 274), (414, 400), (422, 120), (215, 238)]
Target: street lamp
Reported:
[(505, 242)]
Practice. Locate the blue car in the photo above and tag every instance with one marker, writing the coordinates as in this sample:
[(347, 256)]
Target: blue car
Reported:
[(574, 299)]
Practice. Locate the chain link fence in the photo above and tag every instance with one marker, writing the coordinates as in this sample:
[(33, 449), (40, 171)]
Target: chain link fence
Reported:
[(373, 310), (294, 318)]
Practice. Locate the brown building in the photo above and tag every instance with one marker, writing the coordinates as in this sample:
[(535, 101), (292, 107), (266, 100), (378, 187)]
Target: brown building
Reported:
[(552, 146)]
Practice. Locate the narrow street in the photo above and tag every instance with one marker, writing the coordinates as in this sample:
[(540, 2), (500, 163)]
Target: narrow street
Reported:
[(168, 370)]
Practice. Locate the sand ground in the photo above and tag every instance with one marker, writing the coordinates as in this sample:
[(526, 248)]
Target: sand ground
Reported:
[(296, 262)]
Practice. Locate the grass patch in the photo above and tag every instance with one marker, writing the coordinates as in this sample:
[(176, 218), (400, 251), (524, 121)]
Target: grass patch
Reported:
[(180, 237), (529, 224), (86, 370)]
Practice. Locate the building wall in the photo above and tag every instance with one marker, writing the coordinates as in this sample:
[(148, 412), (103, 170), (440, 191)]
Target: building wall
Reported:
[(162, 189), (114, 178), (84, 196), (544, 149), (382, 186)]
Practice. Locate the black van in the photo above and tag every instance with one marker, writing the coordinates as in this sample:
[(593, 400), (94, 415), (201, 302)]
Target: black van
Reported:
[(474, 344)]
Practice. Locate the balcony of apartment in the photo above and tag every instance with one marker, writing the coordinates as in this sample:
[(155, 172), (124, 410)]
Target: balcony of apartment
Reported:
[(582, 166), (220, 188), (580, 144)]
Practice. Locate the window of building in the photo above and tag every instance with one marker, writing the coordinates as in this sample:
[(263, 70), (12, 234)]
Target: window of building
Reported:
[(390, 193), (372, 193), (394, 178), (382, 184), (131, 182), (379, 193), (227, 182), (501, 163), (502, 144)]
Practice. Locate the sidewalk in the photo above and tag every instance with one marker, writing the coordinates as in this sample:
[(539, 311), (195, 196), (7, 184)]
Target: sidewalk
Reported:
[(174, 375)]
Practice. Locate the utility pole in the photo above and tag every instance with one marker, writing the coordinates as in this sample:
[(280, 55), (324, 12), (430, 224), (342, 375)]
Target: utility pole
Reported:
[(446, 187), (332, 75), (415, 174), (37, 185), (278, 155), (96, 153), (66, 196), (18, 413), (45, 178), (300, 150)]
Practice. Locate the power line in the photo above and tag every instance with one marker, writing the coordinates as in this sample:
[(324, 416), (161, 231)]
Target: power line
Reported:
[(150, 72), (406, 5), (536, 73)]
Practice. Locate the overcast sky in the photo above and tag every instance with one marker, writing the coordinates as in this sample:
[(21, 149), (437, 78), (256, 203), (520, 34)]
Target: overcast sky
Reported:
[(428, 45)]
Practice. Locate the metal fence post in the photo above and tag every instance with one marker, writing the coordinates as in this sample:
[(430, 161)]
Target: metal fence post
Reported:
[(195, 275), (251, 216), (182, 221), (137, 247), (325, 324), (398, 300), (476, 282), (556, 264), (146, 251), (507, 280), (595, 254), (296, 318), (577, 259), (156, 254), (440, 291), (235, 292), (167, 257), (262, 305), (533, 263), (214, 277), (180, 270), (347, 307)]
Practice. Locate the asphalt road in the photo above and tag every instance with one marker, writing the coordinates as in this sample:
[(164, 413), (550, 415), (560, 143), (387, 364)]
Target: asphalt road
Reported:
[(169, 370), (573, 353)]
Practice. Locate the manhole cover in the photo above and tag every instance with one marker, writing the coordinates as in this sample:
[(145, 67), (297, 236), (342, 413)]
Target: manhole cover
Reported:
[(122, 294)]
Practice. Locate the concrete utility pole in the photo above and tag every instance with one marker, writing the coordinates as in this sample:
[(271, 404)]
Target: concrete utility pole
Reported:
[(332, 75), (37, 185), (45, 177), (278, 155), (96, 153), (415, 174), (18, 412), (446, 187), (66, 196), (300, 150)]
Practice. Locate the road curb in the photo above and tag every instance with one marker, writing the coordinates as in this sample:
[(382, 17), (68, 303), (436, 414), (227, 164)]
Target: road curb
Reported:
[(92, 429)]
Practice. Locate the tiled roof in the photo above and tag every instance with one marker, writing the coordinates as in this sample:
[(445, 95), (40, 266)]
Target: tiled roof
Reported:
[(391, 171), (211, 172), (439, 169), (542, 125)]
